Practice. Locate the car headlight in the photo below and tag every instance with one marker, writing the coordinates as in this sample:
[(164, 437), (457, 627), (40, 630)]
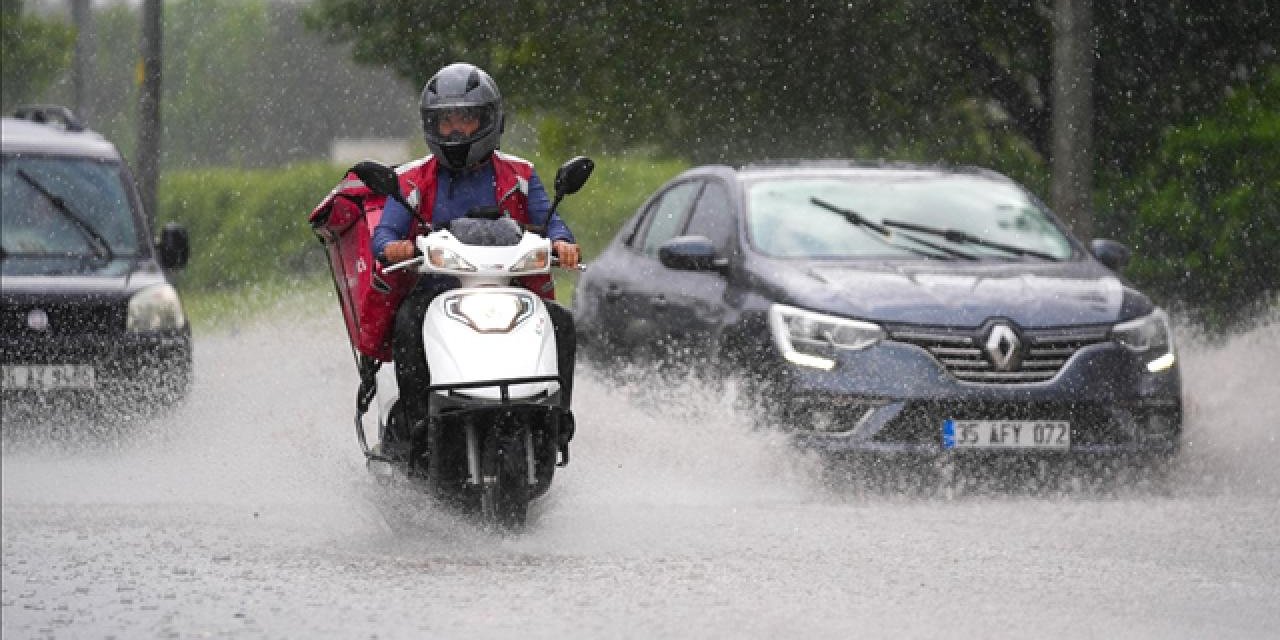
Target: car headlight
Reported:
[(490, 312), (536, 260), (442, 258), (156, 308), (1151, 337), (811, 339)]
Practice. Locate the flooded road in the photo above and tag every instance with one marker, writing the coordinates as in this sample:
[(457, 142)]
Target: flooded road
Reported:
[(248, 513)]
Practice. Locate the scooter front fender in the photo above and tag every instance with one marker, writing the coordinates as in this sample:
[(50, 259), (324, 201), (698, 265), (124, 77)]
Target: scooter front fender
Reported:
[(472, 335)]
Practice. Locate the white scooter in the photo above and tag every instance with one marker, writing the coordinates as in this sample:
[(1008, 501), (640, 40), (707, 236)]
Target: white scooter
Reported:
[(496, 428)]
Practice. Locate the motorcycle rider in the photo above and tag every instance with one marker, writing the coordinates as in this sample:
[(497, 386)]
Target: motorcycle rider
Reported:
[(463, 120)]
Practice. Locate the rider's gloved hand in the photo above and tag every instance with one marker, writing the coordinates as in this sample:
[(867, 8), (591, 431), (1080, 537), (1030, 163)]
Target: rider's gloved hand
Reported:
[(399, 251), (566, 251)]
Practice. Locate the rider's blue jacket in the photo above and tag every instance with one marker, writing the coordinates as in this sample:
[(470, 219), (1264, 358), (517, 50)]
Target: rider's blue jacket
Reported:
[(456, 194)]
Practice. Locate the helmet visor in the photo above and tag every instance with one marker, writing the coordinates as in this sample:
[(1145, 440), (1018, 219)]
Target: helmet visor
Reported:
[(457, 124)]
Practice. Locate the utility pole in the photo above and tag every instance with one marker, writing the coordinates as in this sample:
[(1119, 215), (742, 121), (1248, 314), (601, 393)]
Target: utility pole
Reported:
[(82, 17), (1072, 127), (149, 108)]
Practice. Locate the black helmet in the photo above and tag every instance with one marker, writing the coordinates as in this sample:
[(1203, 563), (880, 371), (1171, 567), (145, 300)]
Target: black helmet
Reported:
[(464, 88)]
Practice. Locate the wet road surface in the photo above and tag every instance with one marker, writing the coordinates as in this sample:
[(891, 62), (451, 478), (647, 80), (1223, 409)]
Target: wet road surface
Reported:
[(248, 513)]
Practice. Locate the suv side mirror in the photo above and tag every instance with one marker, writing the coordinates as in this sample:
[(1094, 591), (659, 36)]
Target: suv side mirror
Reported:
[(1110, 253), (690, 253), (174, 249)]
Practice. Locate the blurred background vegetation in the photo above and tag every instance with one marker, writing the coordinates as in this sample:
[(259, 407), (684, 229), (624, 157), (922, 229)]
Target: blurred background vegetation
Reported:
[(1186, 109)]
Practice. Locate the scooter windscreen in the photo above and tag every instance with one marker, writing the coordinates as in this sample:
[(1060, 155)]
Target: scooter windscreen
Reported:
[(482, 232)]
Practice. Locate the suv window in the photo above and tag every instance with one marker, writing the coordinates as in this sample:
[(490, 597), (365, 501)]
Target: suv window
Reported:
[(60, 207), (667, 214)]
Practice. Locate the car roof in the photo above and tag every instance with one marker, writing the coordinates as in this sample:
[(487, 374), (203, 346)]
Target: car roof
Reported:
[(838, 167), (26, 136), (859, 168)]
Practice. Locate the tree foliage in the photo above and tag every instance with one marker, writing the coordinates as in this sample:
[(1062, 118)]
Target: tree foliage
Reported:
[(710, 79), (702, 80), (33, 52), (1207, 218)]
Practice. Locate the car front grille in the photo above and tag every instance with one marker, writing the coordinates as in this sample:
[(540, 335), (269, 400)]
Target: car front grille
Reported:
[(1042, 351), (64, 318)]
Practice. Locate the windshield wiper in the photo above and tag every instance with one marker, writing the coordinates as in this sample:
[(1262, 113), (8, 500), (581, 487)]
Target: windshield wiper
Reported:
[(960, 237), (100, 246), (860, 220)]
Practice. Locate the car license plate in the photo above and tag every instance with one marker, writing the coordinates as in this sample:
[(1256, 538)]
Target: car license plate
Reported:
[(46, 377), (1006, 434)]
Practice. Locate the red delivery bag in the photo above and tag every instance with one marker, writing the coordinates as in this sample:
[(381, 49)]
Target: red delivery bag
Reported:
[(344, 223)]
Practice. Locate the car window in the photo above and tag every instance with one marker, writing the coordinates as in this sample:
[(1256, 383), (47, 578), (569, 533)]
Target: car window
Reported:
[(93, 200), (667, 215), (713, 217), (783, 220)]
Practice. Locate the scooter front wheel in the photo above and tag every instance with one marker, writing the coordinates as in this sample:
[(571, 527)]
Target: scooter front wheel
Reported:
[(504, 486)]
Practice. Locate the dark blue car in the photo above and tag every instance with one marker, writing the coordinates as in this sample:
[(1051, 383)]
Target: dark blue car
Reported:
[(890, 309)]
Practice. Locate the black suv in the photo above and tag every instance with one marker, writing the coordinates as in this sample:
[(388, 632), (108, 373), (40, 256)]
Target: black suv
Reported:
[(86, 308)]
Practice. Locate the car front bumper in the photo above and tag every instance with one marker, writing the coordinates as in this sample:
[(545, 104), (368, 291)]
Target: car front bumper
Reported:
[(130, 367), (894, 398)]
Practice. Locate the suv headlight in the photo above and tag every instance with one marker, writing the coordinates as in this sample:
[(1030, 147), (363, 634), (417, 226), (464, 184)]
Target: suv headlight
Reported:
[(1149, 336), (810, 339), (155, 308), (490, 312)]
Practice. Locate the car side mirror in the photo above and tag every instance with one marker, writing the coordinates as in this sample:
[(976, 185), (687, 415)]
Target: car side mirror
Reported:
[(1110, 253), (690, 253), (174, 248)]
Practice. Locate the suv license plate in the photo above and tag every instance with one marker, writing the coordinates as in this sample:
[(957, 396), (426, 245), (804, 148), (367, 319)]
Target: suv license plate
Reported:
[(47, 377), (1006, 434)]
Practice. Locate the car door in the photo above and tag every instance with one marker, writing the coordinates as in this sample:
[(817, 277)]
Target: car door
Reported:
[(633, 298), (692, 306)]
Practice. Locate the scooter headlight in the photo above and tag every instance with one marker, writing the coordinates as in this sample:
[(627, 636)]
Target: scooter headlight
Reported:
[(442, 258), (155, 308), (535, 261), (810, 339), (490, 312), (1150, 337)]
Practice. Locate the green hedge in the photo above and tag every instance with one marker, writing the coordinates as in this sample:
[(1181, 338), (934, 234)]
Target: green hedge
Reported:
[(248, 227)]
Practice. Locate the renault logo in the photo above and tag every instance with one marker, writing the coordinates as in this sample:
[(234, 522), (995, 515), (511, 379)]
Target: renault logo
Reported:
[(1003, 348), (38, 320)]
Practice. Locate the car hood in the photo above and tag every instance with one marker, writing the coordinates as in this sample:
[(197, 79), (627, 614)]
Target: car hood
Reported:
[(946, 293), (71, 286)]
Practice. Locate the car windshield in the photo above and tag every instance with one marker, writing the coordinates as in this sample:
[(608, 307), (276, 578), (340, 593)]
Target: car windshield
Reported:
[(878, 216), (59, 209)]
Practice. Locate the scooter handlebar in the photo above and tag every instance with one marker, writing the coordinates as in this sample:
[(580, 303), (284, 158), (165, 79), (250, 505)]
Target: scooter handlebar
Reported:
[(555, 262), (411, 262), (419, 259)]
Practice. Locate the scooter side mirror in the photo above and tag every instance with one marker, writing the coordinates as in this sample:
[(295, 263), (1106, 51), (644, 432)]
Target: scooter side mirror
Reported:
[(572, 175), (378, 177)]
